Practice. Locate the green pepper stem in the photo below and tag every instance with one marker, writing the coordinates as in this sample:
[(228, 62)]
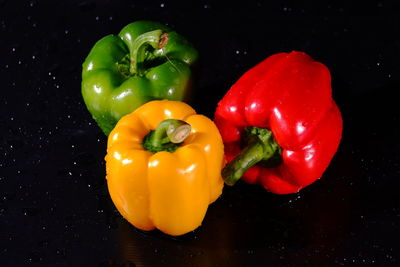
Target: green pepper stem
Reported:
[(261, 148), (140, 46), (167, 132)]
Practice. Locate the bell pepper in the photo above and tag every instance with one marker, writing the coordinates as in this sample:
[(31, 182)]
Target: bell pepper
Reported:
[(144, 62), (279, 123), (164, 166)]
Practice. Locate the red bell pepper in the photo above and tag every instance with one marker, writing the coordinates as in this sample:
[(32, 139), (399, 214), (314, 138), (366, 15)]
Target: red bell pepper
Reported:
[(279, 123)]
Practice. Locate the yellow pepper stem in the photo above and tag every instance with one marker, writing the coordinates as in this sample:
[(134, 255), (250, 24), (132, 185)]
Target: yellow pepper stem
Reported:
[(167, 136)]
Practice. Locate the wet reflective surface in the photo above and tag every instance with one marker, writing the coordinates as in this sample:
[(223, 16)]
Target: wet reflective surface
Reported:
[(54, 206)]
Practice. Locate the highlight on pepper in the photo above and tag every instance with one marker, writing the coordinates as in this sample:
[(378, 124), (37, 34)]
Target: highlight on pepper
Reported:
[(163, 166), (279, 123), (145, 61)]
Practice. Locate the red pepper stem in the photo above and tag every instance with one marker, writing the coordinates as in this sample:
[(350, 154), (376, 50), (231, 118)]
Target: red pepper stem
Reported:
[(261, 148), (170, 131), (140, 47)]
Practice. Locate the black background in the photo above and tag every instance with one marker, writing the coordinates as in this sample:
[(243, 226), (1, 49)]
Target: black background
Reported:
[(54, 205)]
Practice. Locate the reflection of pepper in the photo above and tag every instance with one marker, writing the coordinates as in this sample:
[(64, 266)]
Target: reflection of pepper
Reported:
[(280, 122), (145, 61), (154, 180)]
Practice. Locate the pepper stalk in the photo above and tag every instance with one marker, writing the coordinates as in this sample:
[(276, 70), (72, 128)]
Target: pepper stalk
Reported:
[(261, 148), (168, 135), (156, 39)]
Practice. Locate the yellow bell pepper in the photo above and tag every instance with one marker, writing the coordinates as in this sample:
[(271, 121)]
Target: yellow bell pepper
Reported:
[(171, 187)]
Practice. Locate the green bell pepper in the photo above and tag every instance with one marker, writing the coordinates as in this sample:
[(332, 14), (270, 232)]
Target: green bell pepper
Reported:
[(145, 61)]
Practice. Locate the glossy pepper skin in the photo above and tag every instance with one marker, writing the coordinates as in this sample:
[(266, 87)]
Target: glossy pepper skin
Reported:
[(144, 62), (169, 191), (288, 94)]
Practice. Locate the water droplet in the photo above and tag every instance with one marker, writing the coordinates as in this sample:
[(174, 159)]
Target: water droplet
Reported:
[(30, 211)]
